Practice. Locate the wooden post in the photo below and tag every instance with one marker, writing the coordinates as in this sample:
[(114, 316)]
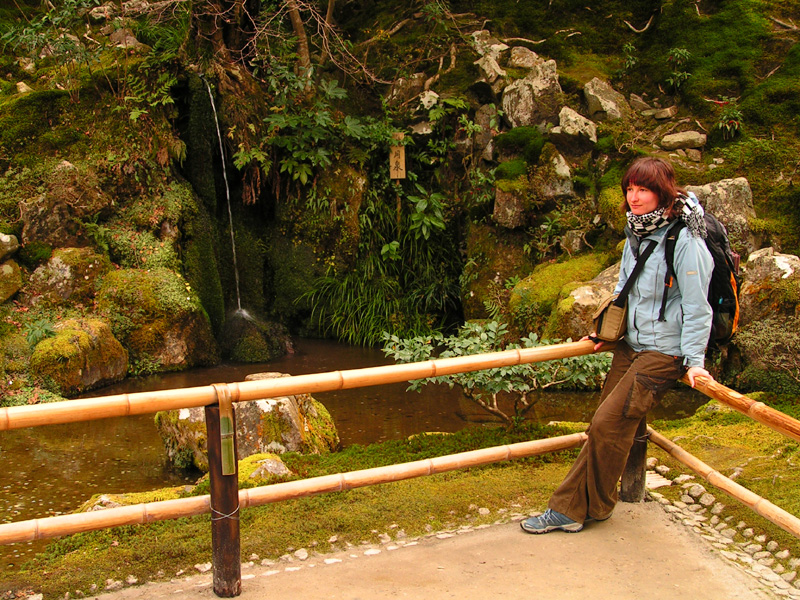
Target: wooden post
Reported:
[(632, 488), (225, 542)]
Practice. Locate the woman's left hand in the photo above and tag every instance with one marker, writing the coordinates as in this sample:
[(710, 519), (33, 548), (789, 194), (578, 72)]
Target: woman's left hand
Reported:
[(694, 372)]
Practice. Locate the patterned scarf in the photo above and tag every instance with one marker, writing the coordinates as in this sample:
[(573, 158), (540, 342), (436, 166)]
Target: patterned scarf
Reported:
[(689, 211)]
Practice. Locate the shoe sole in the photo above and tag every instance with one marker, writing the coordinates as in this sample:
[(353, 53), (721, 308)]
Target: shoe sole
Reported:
[(574, 528)]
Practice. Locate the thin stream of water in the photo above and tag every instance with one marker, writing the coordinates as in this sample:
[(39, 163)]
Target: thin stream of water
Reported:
[(227, 193)]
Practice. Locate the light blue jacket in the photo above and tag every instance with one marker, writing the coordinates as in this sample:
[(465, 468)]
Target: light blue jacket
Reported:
[(687, 324)]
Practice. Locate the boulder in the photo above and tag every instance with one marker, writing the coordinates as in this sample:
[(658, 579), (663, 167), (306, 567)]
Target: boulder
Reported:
[(574, 133), (731, 201), (158, 318), (124, 38), (535, 98), (83, 355), (553, 177), (770, 286), (486, 117), (489, 68), (406, 88), (574, 312), (683, 140), (8, 245), (54, 218), (296, 423), (10, 279), (486, 44), (638, 103), (605, 103), (509, 208), (70, 276), (522, 58), (103, 13)]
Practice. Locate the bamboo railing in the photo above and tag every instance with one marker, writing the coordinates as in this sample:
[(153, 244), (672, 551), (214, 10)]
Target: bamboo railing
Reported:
[(71, 411), (36, 529), (762, 506)]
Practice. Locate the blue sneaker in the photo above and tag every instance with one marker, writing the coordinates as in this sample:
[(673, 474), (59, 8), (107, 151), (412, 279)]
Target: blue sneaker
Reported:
[(550, 520)]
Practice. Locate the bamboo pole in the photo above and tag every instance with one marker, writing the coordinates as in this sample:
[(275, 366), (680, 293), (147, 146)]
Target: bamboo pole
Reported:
[(758, 411), (71, 411), (36, 529), (786, 521)]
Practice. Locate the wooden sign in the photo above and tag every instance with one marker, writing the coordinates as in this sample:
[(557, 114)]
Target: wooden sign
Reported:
[(397, 159)]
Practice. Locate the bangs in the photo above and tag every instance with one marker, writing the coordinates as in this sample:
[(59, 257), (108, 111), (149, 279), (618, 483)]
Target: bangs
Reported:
[(644, 175)]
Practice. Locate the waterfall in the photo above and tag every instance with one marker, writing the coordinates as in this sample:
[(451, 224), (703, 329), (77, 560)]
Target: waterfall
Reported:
[(227, 196)]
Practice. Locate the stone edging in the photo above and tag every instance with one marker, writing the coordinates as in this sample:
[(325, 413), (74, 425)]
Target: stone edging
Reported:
[(762, 558)]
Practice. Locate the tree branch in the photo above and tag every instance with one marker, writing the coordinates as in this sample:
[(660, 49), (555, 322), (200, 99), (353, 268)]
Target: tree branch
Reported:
[(646, 27)]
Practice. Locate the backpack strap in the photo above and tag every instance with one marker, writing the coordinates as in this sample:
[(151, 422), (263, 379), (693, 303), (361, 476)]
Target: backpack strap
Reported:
[(640, 260), (669, 253)]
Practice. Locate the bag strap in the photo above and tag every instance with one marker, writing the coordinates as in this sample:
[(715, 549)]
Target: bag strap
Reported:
[(669, 253), (640, 260)]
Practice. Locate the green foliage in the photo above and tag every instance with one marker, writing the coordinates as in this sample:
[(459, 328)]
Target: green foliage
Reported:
[(525, 141), (512, 169), (730, 118), (37, 331), (427, 215), (144, 94), (629, 55), (485, 387), (773, 346), (34, 253), (677, 59)]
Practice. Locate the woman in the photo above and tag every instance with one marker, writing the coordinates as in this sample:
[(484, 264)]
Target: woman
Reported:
[(653, 354)]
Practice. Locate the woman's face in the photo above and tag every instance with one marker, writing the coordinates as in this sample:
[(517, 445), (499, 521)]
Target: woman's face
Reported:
[(641, 200)]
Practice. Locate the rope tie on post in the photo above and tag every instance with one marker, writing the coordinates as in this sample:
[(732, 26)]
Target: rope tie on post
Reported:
[(642, 438), (228, 516)]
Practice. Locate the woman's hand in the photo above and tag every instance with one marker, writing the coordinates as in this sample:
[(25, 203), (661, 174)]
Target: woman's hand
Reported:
[(697, 371), (598, 343)]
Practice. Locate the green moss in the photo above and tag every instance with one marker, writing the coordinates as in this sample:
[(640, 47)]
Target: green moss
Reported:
[(524, 141), (511, 169), (534, 298), (608, 205)]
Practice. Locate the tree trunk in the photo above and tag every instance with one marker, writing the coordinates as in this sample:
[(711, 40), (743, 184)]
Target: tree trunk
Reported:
[(303, 52)]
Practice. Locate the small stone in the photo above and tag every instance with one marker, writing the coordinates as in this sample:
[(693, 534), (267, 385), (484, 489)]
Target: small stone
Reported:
[(697, 490), (662, 470), (706, 499), (779, 568), (384, 538), (301, 554), (714, 520), (753, 548), (761, 538), (679, 504), (762, 554), (371, 552), (772, 545), (767, 562), (728, 533), (203, 568), (769, 576), (483, 511), (113, 585), (748, 533), (695, 508), (782, 555), (789, 576), (794, 563), (717, 508), (333, 539), (131, 580), (332, 561), (651, 462), (681, 479)]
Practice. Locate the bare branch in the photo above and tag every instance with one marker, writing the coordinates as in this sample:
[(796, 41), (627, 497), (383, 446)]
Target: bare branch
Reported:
[(646, 27), (519, 39), (389, 33), (791, 27)]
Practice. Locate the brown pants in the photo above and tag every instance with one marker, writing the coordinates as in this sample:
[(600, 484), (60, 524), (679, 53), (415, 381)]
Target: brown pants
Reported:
[(635, 383)]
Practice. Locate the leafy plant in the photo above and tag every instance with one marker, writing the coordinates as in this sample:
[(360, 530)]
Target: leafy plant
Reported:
[(427, 215), (487, 386), (677, 59), (37, 331), (730, 119), (629, 54)]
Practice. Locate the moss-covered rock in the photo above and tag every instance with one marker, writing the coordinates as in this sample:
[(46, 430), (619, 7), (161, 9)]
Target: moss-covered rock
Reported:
[(286, 424), (534, 298), (10, 279), (158, 317), (493, 257), (608, 206), (69, 277), (83, 355), (248, 339)]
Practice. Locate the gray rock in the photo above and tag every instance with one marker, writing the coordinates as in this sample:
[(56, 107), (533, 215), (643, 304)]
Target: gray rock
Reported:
[(522, 58), (406, 88), (665, 113), (605, 103), (486, 44), (573, 241), (638, 103), (761, 295), (490, 68), (731, 201), (696, 491), (509, 209), (684, 139), (535, 98), (574, 131)]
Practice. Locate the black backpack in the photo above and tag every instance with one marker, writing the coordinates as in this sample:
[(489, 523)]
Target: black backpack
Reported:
[(723, 291)]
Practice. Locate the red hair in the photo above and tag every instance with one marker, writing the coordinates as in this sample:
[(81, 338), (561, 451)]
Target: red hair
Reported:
[(658, 176)]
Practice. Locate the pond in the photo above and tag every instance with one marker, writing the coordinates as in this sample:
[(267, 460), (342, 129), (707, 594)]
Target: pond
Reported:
[(53, 469)]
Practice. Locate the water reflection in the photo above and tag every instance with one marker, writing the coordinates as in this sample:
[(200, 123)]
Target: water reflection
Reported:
[(53, 469)]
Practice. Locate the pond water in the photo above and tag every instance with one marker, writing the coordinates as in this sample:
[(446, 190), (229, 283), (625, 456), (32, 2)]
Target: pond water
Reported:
[(53, 469)]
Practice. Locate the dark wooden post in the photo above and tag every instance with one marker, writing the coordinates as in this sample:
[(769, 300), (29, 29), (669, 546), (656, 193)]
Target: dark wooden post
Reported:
[(225, 542), (633, 486)]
